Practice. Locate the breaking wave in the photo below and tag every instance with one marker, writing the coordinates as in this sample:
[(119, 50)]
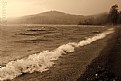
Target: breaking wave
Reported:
[(42, 61)]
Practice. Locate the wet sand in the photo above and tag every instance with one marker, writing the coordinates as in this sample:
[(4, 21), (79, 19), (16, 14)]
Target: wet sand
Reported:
[(115, 57), (71, 66), (107, 66)]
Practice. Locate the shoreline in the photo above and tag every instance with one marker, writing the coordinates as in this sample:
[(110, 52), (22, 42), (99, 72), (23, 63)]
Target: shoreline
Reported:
[(106, 66), (70, 66)]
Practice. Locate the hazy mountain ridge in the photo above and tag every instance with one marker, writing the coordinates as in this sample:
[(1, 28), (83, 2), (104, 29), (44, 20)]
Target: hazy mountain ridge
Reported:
[(54, 17), (51, 17)]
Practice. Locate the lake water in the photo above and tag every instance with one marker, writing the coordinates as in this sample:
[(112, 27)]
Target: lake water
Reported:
[(19, 41)]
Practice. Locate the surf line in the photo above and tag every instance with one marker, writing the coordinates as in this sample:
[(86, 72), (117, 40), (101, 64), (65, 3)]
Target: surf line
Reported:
[(42, 61)]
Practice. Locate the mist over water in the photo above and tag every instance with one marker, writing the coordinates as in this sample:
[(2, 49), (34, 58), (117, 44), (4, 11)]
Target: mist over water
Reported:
[(42, 61)]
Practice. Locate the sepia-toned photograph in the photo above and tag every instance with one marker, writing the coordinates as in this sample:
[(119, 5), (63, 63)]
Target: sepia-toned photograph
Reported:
[(60, 40)]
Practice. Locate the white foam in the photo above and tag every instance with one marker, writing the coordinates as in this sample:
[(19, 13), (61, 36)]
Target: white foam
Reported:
[(42, 61)]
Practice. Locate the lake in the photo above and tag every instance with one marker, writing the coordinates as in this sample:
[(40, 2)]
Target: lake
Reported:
[(19, 41)]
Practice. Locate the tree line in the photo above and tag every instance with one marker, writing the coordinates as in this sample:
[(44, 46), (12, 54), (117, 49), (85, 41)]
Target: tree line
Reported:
[(113, 17)]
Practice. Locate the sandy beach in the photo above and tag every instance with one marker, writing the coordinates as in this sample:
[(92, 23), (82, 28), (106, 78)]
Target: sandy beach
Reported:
[(106, 66)]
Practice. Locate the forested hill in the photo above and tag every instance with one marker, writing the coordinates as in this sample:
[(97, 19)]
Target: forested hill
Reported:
[(98, 19), (51, 17), (56, 17)]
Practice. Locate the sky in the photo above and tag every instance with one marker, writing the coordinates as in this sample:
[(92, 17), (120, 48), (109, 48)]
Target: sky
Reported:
[(16, 8)]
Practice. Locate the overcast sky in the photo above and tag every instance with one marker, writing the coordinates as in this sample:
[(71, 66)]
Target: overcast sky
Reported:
[(15, 8)]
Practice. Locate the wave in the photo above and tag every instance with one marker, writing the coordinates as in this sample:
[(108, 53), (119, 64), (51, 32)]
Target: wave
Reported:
[(42, 61)]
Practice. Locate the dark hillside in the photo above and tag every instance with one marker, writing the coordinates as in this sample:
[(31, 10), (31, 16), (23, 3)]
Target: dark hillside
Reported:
[(51, 17), (56, 17)]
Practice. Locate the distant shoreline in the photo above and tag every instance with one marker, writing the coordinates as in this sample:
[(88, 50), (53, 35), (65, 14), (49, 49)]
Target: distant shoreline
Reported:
[(50, 25)]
